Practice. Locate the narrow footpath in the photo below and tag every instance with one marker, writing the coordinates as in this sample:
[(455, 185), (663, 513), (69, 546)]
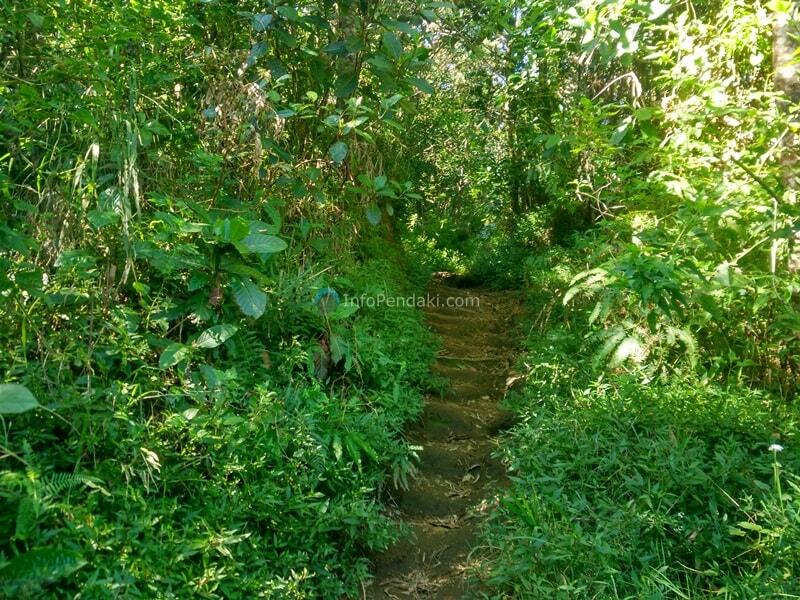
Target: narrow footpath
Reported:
[(458, 480)]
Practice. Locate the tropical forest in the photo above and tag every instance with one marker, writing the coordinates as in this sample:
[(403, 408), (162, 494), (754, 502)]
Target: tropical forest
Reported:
[(399, 299)]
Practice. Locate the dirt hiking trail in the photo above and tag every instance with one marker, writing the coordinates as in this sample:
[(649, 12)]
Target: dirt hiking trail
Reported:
[(458, 479)]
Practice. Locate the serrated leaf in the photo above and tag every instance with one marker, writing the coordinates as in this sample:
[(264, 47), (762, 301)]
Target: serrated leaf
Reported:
[(215, 336), (373, 214), (251, 299), (16, 399), (338, 151), (172, 355)]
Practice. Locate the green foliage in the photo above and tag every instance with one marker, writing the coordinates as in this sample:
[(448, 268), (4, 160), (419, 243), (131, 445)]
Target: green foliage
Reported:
[(626, 484), (177, 180), (193, 195), (15, 399)]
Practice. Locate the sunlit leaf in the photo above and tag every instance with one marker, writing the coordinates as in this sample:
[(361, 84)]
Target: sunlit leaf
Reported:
[(16, 399), (251, 299), (173, 354), (215, 336)]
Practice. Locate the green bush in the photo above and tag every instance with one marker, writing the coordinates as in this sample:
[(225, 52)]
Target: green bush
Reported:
[(622, 489), (242, 476)]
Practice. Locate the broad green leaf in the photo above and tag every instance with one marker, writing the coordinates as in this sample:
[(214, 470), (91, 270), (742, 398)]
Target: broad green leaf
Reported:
[(380, 62), (338, 151), (36, 19), (619, 133), (215, 336), (343, 311), (373, 214), (173, 354), (394, 47), (420, 84), (261, 21), (258, 50), (345, 85), (391, 101), (395, 25), (251, 299), (263, 244), (16, 399), (339, 348)]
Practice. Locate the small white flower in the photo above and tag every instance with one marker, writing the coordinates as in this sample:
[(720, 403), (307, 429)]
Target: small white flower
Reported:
[(775, 448)]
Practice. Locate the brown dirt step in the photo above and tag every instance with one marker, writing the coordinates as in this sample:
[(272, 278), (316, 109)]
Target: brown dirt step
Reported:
[(447, 420)]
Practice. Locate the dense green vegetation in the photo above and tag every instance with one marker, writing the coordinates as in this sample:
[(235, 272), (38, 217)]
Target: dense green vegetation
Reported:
[(192, 193)]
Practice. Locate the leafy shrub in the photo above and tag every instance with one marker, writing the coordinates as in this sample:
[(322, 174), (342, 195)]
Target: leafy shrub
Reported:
[(628, 490)]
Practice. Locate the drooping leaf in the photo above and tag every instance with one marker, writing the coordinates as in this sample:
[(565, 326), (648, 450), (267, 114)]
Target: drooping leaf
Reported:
[(339, 348), (16, 399), (215, 336), (251, 299), (620, 132)]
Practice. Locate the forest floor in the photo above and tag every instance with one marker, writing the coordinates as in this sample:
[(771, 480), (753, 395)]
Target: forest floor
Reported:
[(459, 478)]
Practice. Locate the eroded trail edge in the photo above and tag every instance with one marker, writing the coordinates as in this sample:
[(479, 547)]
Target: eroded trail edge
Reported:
[(459, 479)]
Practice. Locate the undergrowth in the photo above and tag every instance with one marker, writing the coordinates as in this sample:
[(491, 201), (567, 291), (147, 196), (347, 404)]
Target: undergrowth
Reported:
[(635, 484), (246, 475)]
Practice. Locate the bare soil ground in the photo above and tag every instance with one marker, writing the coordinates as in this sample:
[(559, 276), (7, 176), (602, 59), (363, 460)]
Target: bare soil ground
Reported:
[(458, 480)]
